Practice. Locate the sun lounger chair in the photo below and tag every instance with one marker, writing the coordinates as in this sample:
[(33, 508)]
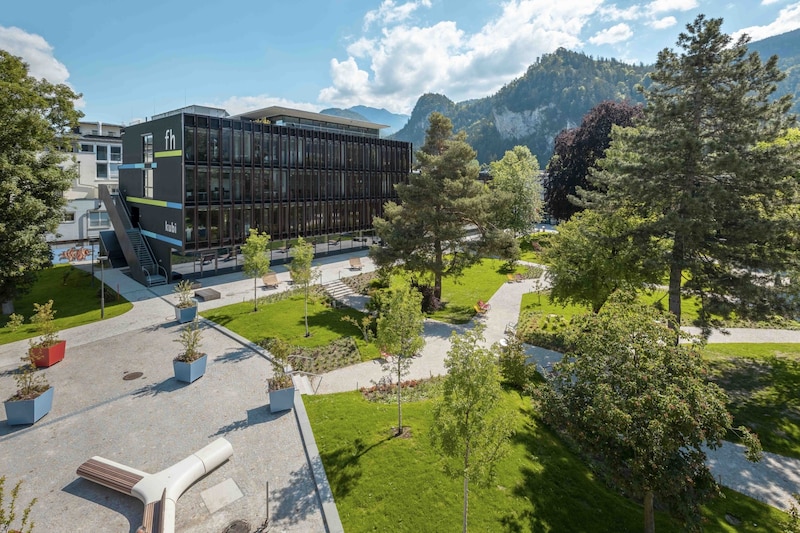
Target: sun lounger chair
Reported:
[(355, 263), (271, 280)]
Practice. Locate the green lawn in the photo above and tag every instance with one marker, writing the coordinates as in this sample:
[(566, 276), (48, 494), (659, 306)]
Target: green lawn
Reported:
[(75, 301), (382, 483), (762, 381), (479, 282), (541, 303), (285, 319)]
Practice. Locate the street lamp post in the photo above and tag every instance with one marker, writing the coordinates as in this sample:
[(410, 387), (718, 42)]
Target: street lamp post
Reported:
[(102, 259)]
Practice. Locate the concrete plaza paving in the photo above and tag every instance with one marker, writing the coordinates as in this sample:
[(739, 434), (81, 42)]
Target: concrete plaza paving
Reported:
[(152, 422)]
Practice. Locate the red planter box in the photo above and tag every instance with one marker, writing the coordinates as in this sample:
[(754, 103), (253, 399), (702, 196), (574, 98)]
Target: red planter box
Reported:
[(44, 357)]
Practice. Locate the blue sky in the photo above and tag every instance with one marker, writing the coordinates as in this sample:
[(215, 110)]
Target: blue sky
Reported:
[(133, 59)]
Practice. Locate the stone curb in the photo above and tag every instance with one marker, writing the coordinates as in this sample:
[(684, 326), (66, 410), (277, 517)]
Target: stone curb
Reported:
[(330, 513)]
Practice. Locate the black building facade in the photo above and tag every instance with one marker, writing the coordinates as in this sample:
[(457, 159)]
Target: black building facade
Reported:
[(196, 180)]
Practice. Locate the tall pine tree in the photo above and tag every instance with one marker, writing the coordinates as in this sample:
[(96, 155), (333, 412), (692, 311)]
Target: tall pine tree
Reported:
[(704, 168), (428, 233)]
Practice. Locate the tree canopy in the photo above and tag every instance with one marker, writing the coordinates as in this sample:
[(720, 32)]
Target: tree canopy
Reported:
[(468, 427), (703, 169), (256, 259), (36, 117), (303, 275), (428, 232), (576, 151), (518, 190), (594, 255), (400, 328), (640, 404)]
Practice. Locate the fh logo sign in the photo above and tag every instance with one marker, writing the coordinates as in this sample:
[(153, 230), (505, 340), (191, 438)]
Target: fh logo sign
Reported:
[(169, 140)]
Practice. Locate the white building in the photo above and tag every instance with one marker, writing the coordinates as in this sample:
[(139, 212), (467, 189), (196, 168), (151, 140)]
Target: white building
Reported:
[(97, 153)]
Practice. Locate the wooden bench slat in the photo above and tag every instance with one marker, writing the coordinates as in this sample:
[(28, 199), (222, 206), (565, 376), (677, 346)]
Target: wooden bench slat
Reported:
[(108, 475)]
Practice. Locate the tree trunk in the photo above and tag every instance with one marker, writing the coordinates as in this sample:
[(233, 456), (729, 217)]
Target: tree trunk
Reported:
[(437, 275), (466, 485), (399, 407), (649, 517), (675, 274), (255, 294), (308, 333)]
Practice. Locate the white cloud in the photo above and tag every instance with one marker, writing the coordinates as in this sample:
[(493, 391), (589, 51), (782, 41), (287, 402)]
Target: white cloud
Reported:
[(663, 23), (241, 104), (663, 6), (788, 20), (36, 52), (769, 2), (391, 13), (393, 67), (615, 34), (612, 12)]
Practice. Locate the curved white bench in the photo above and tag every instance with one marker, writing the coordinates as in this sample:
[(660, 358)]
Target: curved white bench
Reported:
[(159, 492)]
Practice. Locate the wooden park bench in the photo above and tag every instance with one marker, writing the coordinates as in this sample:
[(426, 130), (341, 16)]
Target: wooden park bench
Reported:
[(207, 294), (271, 280), (355, 263), (159, 492)]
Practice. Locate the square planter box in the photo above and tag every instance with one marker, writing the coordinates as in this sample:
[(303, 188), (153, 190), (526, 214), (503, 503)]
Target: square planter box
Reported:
[(50, 355), (185, 314), (190, 372), (29, 411), (281, 400)]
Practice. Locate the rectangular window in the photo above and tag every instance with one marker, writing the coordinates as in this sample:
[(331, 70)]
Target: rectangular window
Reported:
[(116, 153), (102, 153), (114, 169), (98, 219), (89, 148), (102, 171), (68, 216), (147, 157)]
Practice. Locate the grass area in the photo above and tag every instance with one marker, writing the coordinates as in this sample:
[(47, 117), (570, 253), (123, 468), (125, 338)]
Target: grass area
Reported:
[(285, 319), (75, 301), (541, 303), (762, 381), (479, 282), (382, 483)]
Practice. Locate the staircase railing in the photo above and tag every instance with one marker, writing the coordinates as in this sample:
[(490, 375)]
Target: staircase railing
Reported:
[(159, 268)]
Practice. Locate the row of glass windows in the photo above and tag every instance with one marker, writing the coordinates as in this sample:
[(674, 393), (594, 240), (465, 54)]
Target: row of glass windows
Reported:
[(215, 185), (103, 152), (288, 148), (208, 227)]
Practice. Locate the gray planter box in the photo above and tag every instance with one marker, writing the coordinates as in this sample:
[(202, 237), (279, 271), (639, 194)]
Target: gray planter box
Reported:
[(281, 400), (29, 411), (190, 372), (185, 314)]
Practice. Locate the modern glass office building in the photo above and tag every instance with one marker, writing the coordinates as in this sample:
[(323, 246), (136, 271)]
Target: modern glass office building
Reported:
[(195, 180)]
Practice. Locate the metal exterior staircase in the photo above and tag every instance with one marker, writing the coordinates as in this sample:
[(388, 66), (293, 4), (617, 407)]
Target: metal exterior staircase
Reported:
[(146, 261), (137, 252)]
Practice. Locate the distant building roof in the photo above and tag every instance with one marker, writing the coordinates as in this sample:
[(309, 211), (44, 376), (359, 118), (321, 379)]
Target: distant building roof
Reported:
[(273, 113), (196, 109)]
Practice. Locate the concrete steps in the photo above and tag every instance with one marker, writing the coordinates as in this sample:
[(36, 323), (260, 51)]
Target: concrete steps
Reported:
[(338, 290)]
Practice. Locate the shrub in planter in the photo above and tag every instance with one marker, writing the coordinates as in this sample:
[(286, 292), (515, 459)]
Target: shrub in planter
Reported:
[(280, 387), (34, 396), (49, 349), (190, 364), (186, 308)]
